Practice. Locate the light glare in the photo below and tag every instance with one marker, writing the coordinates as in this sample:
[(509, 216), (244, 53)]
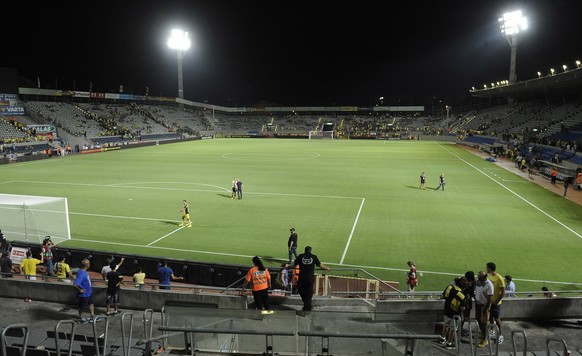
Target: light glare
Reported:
[(512, 23), (179, 40)]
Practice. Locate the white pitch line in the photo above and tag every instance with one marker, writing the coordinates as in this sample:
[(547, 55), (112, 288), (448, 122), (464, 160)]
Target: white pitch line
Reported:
[(447, 273), (165, 248), (352, 232), (166, 235), (122, 217), (327, 263), (514, 193), (182, 183), (185, 189), (503, 179)]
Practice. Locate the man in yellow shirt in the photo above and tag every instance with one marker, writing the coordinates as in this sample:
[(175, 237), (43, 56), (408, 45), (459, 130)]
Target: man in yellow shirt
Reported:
[(28, 265), (63, 270), (497, 297), (139, 278)]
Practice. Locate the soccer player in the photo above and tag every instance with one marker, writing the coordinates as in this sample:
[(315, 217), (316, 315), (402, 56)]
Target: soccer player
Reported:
[(233, 193), (442, 182), (422, 181), (186, 214)]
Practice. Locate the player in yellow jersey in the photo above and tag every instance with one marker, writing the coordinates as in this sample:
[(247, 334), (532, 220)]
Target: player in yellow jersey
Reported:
[(185, 214)]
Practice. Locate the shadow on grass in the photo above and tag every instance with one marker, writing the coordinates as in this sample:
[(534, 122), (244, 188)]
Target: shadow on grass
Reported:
[(416, 187), (224, 195)]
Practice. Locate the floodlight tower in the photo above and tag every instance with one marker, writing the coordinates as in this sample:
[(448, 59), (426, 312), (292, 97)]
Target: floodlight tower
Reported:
[(179, 42), (512, 23)]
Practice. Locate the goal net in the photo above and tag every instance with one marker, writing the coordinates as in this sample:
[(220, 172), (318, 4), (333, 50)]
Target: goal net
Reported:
[(321, 135), (30, 218)]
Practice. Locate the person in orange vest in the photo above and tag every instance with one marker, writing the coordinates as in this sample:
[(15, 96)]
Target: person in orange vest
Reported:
[(260, 279), (579, 180), (554, 174), (294, 280)]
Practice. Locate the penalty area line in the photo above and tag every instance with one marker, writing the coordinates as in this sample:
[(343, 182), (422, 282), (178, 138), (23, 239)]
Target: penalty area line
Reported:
[(352, 232), (164, 248), (166, 235)]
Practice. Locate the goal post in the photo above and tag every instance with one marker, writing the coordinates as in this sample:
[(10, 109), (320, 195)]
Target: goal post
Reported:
[(30, 218), (321, 135)]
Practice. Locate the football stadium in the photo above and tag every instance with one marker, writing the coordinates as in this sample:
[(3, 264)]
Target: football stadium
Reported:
[(401, 207)]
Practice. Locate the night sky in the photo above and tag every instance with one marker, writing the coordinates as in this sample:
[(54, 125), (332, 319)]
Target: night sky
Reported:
[(288, 52)]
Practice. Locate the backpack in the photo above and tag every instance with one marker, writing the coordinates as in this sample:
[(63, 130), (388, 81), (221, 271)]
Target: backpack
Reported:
[(454, 297)]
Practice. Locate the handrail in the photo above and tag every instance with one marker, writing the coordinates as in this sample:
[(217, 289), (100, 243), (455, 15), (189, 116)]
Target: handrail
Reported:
[(126, 348), (185, 329), (369, 336), (72, 337), (457, 322), (156, 338), (473, 343), (370, 275), (193, 287), (148, 331), (513, 333), (488, 330), (24, 328), (233, 283), (562, 341), (96, 336)]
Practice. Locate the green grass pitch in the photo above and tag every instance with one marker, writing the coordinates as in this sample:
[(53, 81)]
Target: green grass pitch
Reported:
[(356, 202)]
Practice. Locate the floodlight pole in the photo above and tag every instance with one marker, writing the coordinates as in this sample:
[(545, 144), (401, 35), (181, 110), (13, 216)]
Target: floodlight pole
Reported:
[(180, 56), (513, 43), (180, 43)]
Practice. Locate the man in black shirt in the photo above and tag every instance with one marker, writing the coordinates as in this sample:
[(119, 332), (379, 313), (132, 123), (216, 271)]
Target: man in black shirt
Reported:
[(114, 280), (292, 244), (6, 266), (307, 262)]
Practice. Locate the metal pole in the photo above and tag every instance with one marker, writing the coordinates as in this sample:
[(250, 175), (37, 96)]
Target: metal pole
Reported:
[(24, 216), (180, 78), (512, 74)]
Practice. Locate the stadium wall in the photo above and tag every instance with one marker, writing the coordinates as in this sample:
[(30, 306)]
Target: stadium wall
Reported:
[(399, 310), (58, 292)]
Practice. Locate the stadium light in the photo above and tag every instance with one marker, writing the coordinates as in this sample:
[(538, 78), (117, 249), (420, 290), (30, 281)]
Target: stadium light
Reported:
[(511, 24), (539, 74), (484, 86), (179, 42), (552, 71), (578, 64), (565, 68)]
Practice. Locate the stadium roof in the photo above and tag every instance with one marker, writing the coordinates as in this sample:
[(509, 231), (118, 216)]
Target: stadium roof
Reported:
[(555, 84)]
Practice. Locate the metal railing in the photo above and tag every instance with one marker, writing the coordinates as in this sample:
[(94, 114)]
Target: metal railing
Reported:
[(194, 288), (71, 337), (269, 334), (325, 336), (3, 340)]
